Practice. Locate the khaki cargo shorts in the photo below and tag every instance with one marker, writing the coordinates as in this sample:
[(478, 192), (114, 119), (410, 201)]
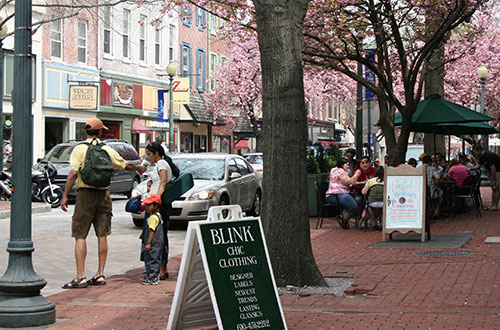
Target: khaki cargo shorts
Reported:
[(93, 207)]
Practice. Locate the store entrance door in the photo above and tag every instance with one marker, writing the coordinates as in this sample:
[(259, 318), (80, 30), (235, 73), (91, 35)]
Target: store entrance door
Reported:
[(55, 129)]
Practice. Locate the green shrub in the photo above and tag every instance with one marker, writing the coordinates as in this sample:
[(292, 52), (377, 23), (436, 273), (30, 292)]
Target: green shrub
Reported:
[(321, 159)]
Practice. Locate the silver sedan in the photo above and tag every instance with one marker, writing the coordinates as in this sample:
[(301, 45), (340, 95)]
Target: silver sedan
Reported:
[(219, 179)]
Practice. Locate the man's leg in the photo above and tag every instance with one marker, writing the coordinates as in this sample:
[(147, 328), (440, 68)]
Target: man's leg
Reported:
[(102, 249), (495, 194), (80, 255)]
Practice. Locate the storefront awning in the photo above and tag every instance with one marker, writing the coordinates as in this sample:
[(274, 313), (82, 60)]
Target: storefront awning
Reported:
[(138, 127), (241, 144)]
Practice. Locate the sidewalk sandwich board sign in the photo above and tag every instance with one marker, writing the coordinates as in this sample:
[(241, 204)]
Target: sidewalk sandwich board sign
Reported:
[(404, 200), (225, 277)]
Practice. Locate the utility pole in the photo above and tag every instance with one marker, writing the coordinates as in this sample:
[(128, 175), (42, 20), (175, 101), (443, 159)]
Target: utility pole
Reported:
[(359, 115), (21, 304)]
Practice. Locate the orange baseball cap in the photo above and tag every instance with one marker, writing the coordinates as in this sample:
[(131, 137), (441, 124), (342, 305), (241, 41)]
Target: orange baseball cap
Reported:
[(153, 198), (94, 124)]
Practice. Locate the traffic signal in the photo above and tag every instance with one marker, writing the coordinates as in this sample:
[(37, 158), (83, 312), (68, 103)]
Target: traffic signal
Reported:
[(7, 129)]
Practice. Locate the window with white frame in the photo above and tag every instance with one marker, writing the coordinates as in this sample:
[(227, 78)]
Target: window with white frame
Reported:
[(126, 33), (157, 46), (213, 63), (213, 24), (56, 36), (82, 41), (201, 69), (171, 36), (142, 38), (106, 17)]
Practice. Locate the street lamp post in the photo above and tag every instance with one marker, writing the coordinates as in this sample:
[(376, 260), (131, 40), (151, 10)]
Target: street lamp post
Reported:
[(171, 71), (482, 72), (3, 33), (21, 304)]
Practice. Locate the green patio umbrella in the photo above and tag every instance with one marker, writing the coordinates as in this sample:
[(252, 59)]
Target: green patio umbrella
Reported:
[(435, 110), (434, 114)]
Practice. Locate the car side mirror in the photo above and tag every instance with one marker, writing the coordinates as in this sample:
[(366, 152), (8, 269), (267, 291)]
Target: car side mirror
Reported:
[(234, 175)]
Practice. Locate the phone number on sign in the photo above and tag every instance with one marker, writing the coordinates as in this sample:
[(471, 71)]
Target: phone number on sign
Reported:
[(253, 325)]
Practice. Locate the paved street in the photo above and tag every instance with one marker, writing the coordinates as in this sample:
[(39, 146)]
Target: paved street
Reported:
[(53, 258)]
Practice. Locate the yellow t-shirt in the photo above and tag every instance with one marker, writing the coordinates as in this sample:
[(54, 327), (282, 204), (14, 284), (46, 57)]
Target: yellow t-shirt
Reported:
[(153, 221), (77, 161)]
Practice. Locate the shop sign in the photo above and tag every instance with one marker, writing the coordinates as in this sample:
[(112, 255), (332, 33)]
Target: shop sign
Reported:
[(181, 91), (83, 97), (123, 94)]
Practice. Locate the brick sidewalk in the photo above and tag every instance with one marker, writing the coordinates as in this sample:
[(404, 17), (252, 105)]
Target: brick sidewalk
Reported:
[(394, 289)]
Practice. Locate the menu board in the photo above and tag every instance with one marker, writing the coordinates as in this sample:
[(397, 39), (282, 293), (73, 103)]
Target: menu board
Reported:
[(405, 191), (404, 202)]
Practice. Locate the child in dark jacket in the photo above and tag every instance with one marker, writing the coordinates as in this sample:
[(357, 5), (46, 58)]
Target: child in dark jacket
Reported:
[(154, 241)]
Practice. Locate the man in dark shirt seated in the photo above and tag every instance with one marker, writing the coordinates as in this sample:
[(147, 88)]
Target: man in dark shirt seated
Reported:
[(492, 161)]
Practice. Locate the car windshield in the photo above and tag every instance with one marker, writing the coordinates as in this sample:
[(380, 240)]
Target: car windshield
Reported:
[(59, 154), (254, 159), (201, 168)]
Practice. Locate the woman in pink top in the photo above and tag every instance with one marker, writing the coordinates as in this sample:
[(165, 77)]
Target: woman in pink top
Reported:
[(458, 172), (339, 189)]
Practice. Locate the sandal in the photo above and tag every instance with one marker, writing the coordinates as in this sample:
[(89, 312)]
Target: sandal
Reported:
[(95, 280), (76, 284)]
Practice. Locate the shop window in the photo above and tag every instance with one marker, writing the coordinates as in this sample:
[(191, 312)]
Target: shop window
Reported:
[(186, 142), (222, 143), (200, 143), (80, 133)]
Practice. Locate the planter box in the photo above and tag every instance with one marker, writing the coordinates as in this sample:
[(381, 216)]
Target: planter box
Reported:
[(311, 192)]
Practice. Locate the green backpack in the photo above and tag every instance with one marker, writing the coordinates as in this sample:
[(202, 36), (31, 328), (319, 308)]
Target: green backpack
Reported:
[(98, 167)]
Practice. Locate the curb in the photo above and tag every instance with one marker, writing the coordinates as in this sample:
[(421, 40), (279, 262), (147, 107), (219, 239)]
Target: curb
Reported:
[(36, 208)]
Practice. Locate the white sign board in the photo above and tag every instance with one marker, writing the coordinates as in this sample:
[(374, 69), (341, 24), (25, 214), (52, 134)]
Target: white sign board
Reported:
[(405, 200)]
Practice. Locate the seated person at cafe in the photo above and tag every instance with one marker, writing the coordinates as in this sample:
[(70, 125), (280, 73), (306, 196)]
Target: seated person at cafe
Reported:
[(440, 163), (412, 162), (468, 162), (433, 177), (367, 171), (339, 188), (458, 172), (374, 188), (353, 163)]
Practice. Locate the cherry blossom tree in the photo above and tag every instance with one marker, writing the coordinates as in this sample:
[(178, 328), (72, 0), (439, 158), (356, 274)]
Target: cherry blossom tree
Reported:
[(464, 54), (339, 34)]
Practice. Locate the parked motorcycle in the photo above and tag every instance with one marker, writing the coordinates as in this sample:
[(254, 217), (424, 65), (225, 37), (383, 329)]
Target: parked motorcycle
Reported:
[(5, 185), (42, 188)]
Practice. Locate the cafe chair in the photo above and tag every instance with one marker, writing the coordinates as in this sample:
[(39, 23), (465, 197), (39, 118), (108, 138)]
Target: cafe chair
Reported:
[(375, 190), (477, 190), (467, 191), (326, 210)]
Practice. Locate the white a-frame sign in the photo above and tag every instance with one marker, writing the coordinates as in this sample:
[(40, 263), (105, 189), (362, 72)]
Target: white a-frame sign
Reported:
[(225, 277)]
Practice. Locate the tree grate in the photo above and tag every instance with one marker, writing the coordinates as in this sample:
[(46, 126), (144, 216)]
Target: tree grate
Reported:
[(442, 253)]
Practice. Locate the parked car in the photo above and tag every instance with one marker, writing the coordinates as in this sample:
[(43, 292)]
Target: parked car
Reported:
[(122, 182), (219, 179), (255, 159)]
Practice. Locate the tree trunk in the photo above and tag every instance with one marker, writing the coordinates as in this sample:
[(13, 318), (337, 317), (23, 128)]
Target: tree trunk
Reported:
[(285, 209), (434, 84)]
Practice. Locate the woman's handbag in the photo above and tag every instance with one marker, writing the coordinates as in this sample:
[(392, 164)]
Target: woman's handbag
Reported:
[(133, 205), (177, 187)]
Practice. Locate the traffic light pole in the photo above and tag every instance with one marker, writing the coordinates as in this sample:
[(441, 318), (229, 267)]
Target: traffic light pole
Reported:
[(359, 115)]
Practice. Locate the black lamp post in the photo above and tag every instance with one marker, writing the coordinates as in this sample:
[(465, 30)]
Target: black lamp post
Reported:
[(21, 304), (3, 33)]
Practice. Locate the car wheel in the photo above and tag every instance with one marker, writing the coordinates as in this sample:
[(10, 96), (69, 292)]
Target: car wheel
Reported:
[(256, 207), (135, 182), (138, 222)]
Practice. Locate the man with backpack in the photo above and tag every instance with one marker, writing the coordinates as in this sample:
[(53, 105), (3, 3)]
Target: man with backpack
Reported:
[(91, 166)]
